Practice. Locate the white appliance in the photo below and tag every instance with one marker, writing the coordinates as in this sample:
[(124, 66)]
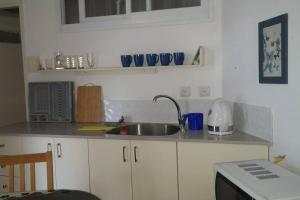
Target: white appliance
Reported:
[(219, 120), (255, 179)]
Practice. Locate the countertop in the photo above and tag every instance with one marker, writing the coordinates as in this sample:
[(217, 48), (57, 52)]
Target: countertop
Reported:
[(70, 130)]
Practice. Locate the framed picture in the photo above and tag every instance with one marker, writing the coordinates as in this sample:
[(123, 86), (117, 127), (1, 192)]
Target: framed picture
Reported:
[(273, 50)]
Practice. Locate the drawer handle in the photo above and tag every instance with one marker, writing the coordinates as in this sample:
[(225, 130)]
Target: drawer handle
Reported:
[(135, 158), (2, 145), (59, 152), (124, 154)]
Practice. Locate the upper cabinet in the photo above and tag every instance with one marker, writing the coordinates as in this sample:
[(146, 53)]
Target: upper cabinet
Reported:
[(129, 13)]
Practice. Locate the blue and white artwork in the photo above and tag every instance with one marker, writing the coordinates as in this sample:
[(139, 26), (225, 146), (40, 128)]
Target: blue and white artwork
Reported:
[(272, 44)]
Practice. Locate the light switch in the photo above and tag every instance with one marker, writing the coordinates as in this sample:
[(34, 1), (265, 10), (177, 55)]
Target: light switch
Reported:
[(204, 91), (185, 91)]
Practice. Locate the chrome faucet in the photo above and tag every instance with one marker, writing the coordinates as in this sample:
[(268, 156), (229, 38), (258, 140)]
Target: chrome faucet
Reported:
[(180, 121)]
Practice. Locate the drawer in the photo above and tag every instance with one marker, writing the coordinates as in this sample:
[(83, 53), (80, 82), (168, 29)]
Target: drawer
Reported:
[(10, 145), (4, 184), (4, 170)]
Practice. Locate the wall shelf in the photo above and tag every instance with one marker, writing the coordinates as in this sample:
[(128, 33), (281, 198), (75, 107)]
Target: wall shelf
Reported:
[(145, 69)]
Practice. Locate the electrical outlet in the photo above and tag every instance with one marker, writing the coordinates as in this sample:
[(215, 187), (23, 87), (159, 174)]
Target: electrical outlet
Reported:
[(185, 91), (204, 91)]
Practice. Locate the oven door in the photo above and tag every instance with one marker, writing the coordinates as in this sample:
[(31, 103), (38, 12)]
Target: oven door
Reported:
[(226, 190)]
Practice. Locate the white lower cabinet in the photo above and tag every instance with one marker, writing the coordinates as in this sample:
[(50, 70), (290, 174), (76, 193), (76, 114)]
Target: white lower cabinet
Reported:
[(9, 145), (154, 170), (129, 169), (32, 145), (196, 160), (4, 184), (110, 169), (138, 170), (70, 162)]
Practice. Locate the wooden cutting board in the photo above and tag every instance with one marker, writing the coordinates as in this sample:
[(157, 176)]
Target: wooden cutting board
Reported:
[(89, 104)]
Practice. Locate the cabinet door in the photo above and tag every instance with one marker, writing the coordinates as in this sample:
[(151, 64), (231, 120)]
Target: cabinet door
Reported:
[(38, 145), (9, 145), (154, 170), (71, 164), (195, 165), (4, 184), (110, 169)]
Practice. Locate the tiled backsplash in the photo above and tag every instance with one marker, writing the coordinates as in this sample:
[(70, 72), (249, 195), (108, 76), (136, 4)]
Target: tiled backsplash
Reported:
[(254, 120), (162, 111)]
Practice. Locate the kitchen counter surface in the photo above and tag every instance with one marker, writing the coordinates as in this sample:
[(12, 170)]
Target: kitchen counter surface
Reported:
[(70, 130)]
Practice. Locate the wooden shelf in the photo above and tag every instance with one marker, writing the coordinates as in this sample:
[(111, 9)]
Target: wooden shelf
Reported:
[(146, 69)]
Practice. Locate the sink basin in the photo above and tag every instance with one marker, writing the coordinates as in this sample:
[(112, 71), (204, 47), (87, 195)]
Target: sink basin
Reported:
[(146, 129)]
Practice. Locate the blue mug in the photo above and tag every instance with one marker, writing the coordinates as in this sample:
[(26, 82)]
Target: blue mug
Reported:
[(138, 60), (126, 60), (178, 58), (195, 120), (165, 59), (152, 59)]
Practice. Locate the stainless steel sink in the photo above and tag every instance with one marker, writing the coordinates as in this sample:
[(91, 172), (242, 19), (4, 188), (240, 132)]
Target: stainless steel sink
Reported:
[(146, 129)]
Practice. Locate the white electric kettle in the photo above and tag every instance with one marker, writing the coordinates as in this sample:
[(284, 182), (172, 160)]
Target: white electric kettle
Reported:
[(219, 120)]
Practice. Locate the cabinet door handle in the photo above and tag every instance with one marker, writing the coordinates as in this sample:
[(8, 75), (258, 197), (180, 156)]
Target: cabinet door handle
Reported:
[(2, 145), (4, 186), (49, 147), (59, 152), (124, 154), (135, 157)]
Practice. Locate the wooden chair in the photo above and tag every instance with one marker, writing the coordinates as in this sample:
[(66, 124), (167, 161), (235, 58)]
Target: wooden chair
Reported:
[(31, 159)]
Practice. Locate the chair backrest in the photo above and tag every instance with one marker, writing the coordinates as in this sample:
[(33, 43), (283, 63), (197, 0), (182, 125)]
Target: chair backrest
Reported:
[(30, 159)]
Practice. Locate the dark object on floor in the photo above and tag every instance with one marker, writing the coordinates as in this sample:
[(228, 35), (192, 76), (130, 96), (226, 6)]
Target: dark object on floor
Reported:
[(55, 195)]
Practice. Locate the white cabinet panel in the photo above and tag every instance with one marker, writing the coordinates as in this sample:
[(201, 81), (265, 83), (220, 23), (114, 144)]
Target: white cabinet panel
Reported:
[(110, 169), (32, 145), (4, 184), (10, 145), (71, 164), (195, 165), (138, 170), (154, 170)]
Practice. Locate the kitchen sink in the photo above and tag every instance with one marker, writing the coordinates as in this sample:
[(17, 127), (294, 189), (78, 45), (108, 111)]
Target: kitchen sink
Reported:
[(146, 129)]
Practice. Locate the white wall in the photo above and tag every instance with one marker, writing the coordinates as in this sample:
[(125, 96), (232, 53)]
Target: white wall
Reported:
[(43, 37), (240, 28), (12, 101)]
